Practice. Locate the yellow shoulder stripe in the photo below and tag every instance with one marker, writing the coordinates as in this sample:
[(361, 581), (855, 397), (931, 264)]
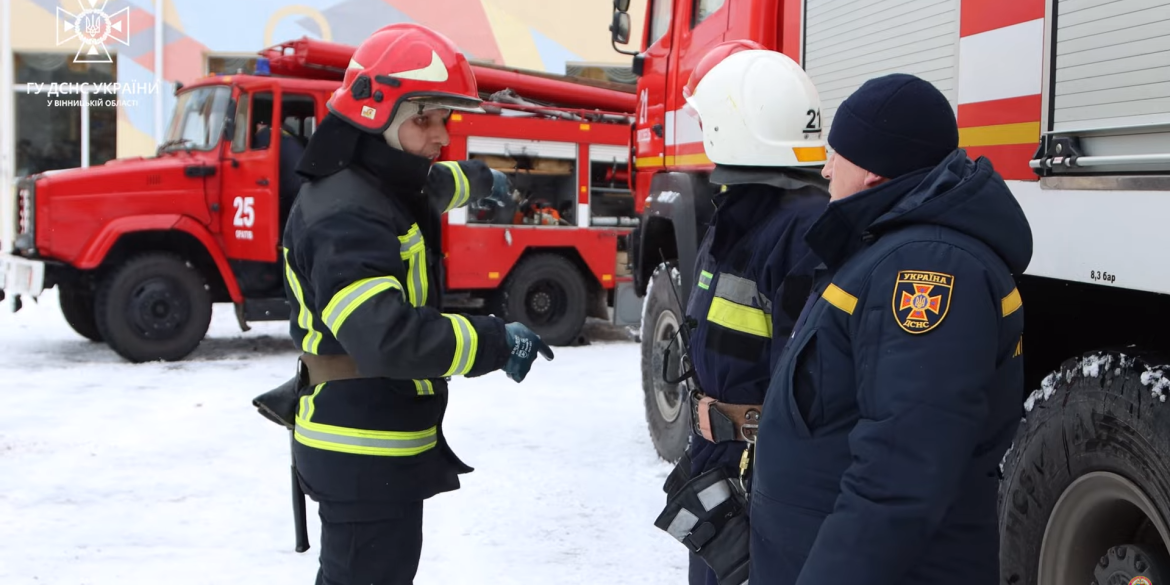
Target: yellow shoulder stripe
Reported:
[(1012, 302), (839, 298)]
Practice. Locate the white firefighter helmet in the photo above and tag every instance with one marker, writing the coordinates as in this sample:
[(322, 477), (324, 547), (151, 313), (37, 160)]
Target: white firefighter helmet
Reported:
[(758, 108)]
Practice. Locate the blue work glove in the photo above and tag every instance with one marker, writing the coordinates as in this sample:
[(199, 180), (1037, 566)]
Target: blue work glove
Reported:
[(524, 344), (501, 189)]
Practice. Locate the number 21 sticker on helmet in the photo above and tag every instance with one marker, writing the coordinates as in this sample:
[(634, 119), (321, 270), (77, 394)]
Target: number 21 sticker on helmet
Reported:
[(756, 108)]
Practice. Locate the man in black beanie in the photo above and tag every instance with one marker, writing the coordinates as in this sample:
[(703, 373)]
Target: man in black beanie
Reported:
[(899, 390)]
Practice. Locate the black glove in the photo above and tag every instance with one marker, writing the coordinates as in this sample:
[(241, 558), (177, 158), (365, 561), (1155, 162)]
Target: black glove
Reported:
[(524, 344)]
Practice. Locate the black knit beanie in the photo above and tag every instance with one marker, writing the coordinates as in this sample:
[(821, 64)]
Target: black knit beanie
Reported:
[(894, 125)]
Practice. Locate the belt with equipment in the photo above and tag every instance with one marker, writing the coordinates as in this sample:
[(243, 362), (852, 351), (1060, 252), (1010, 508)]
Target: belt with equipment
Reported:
[(720, 422)]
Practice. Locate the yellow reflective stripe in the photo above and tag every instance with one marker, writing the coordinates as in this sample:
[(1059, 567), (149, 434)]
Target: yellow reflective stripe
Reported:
[(307, 404), (462, 186), (413, 253), (364, 442), (358, 441), (348, 299), (839, 298), (312, 340), (424, 387), (705, 280), (1012, 302), (466, 342), (740, 318)]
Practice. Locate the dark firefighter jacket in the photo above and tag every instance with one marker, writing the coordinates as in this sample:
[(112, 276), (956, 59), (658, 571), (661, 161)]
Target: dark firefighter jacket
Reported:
[(755, 238), (362, 260), (899, 392)]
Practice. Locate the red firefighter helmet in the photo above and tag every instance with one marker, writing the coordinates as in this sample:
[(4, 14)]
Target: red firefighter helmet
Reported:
[(715, 56), (403, 63)]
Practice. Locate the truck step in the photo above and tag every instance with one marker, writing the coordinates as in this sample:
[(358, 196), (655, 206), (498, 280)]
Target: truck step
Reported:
[(276, 309)]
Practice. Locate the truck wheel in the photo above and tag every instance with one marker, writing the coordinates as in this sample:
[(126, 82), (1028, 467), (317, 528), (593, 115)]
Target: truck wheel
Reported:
[(77, 308), (547, 293), (668, 412), (154, 307), (1086, 486)]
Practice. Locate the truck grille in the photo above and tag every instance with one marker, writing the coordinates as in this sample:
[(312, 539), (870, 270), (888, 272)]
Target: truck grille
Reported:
[(25, 215)]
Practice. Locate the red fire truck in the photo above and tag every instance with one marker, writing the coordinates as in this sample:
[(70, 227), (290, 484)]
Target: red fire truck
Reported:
[(140, 248), (1070, 100)]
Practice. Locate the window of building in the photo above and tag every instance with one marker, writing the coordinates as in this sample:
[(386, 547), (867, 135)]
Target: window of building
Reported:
[(64, 130), (230, 65)]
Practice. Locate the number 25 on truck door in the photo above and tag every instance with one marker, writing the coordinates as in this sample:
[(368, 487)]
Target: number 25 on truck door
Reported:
[(245, 214)]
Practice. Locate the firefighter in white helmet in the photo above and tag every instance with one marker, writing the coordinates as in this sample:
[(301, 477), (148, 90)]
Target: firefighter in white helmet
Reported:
[(760, 118)]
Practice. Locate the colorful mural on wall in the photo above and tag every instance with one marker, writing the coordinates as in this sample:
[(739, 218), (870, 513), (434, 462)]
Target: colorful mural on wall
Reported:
[(532, 34)]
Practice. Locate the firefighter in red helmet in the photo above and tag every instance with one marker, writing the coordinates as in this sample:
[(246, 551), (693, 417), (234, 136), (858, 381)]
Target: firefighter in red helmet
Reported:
[(362, 275)]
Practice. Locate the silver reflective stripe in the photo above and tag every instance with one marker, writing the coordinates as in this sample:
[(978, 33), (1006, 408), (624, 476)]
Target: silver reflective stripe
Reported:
[(412, 240), (705, 279), (742, 291), (415, 265), (339, 309), (714, 495), (462, 333), (364, 441), (682, 524), (416, 280)]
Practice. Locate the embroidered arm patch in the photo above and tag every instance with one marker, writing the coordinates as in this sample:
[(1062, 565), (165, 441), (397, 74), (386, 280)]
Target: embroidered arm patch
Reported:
[(921, 299)]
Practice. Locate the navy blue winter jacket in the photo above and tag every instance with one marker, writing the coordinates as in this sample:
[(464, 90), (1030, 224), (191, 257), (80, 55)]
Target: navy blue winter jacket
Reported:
[(755, 239), (899, 391)]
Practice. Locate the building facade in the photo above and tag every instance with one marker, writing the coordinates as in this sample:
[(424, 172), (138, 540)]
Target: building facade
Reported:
[(86, 81)]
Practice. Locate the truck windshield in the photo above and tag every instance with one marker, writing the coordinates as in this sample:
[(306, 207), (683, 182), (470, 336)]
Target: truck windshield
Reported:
[(198, 121)]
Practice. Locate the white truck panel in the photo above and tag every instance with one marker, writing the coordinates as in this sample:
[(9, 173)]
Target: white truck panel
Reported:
[(1111, 64), (848, 42), (511, 146), (608, 153), (1107, 237)]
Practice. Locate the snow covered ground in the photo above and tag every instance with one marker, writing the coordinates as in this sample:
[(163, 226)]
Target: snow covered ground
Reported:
[(113, 473)]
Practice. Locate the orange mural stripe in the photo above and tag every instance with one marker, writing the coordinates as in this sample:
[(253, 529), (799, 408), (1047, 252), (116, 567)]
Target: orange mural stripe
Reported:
[(465, 23)]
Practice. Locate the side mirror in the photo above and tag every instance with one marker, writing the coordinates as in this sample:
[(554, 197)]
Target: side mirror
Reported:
[(621, 5), (620, 29)]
